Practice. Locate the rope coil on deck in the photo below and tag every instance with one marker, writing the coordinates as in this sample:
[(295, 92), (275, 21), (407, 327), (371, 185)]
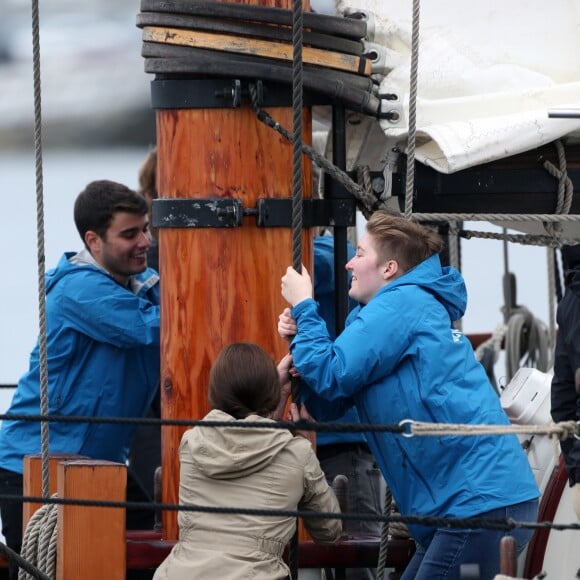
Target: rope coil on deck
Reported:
[(39, 541)]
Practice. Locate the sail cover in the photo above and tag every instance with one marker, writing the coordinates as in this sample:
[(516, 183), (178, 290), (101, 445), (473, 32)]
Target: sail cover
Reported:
[(488, 73)]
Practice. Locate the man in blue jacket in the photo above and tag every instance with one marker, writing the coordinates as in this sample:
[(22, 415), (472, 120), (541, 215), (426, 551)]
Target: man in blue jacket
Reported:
[(400, 358), (102, 335)]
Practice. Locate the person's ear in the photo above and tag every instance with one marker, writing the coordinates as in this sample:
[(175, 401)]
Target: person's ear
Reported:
[(390, 269), (93, 241)]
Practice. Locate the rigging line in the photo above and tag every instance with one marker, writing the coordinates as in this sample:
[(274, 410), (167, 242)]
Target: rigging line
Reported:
[(23, 563), (385, 533), (395, 517), (563, 429), (551, 264), (525, 239), (410, 181), (508, 280), (565, 189), (490, 217), (297, 37), (42, 340), (297, 194)]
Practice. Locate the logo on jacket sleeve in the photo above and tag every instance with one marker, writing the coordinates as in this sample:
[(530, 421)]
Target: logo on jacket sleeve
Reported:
[(456, 335)]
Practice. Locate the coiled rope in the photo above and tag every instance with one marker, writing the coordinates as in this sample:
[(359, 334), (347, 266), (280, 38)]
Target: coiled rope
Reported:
[(527, 342), (39, 542)]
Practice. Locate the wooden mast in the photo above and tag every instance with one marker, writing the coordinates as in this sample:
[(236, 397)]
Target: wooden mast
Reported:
[(219, 285)]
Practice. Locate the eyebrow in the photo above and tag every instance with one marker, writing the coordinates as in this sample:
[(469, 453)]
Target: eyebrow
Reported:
[(129, 231)]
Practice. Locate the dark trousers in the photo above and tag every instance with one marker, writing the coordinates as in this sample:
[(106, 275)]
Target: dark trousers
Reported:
[(364, 490), (11, 512)]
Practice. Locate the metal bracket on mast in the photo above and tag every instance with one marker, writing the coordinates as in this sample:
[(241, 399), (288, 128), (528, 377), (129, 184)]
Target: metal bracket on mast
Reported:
[(221, 94), (220, 212)]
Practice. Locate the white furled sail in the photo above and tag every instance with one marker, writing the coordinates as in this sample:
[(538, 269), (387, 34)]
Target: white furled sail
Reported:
[(488, 74)]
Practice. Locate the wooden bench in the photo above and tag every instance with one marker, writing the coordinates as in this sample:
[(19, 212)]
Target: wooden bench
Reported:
[(147, 550)]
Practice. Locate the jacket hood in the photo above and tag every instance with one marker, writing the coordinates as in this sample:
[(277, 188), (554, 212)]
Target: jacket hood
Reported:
[(236, 451), (71, 262), (324, 264), (572, 280), (446, 284)]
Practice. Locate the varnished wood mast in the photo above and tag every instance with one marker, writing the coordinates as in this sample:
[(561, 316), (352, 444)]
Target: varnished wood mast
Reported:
[(219, 285)]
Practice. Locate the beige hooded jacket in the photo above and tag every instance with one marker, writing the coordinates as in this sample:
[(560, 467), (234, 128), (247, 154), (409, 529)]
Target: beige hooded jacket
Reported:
[(255, 468)]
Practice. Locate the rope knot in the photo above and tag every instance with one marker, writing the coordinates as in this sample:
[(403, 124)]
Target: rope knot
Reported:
[(569, 429)]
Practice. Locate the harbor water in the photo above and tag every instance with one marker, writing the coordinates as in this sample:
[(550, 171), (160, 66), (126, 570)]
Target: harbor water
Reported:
[(66, 172)]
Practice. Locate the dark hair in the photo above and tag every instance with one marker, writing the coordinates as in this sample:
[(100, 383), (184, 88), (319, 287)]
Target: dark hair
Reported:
[(96, 205), (243, 381), (402, 240), (148, 175)]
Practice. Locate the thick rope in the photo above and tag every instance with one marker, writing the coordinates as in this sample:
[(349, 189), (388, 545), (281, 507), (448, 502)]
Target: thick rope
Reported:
[(297, 169), (410, 177), (40, 245), (524, 239), (565, 189), (494, 341), (491, 217), (563, 430), (47, 543), (22, 563), (526, 342), (453, 242), (39, 541), (297, 194), (383, 546), (301, 425), (449, 522), (368, 205), (551, 264), (409, 191)]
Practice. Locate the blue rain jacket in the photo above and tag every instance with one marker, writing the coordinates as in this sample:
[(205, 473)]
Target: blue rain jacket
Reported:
[(324, 294), (399, 358), (103, 361)]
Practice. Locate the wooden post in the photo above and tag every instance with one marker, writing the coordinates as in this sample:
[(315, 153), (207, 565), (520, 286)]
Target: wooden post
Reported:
[(219, 285), (91, 540), (32, 480), (508, 554)]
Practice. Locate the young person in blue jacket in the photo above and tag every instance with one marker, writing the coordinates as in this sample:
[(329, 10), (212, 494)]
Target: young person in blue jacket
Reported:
[(346, 453), (102, 333), (399, 358)]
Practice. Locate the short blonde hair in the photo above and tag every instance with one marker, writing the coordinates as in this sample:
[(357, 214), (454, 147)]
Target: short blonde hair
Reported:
[(400, 239)]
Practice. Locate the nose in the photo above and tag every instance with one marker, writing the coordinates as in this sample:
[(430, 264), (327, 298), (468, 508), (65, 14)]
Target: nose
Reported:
[(145, 238), (348, 265)]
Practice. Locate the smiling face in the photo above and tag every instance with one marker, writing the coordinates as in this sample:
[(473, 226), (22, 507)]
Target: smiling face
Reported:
[(369, 274), (122, 251)]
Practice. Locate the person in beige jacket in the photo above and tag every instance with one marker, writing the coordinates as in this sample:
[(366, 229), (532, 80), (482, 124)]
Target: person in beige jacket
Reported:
[(238, 467)]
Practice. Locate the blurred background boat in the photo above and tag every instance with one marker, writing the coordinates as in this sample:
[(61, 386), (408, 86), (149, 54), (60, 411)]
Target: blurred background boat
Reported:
[(94, 90)]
